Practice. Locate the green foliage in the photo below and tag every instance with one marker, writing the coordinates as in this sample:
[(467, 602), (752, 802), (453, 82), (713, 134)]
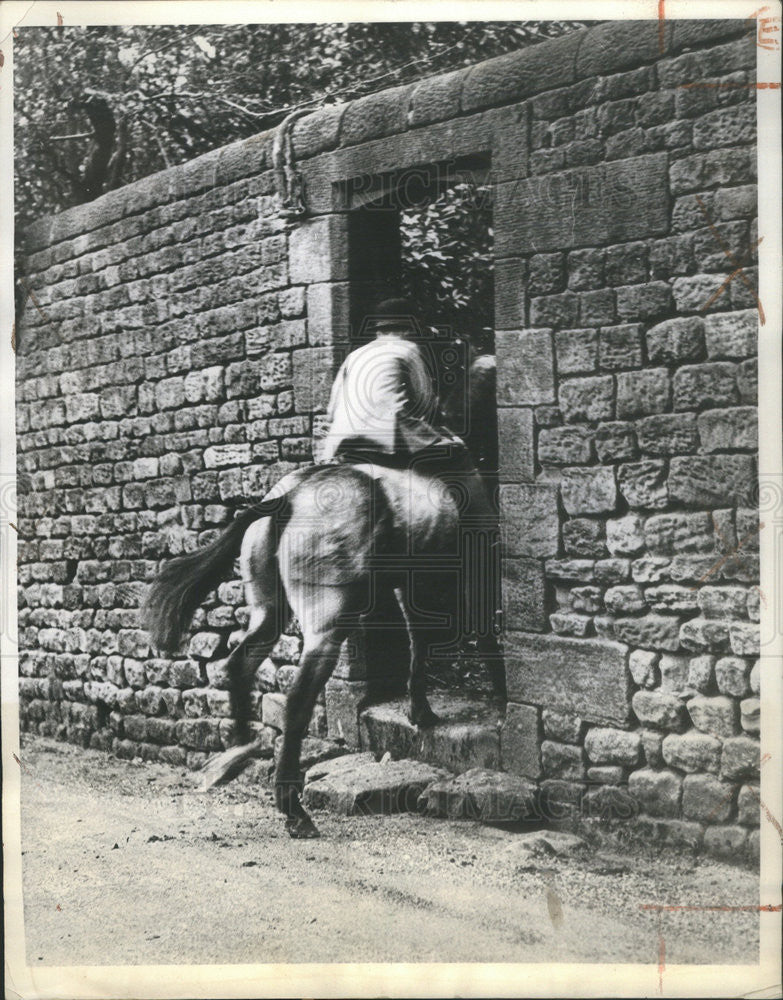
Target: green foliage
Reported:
[(447, 262), (170, 93)]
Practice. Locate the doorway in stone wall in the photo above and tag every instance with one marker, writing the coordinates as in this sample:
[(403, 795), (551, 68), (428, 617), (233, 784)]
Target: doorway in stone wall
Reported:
[(425, 233)]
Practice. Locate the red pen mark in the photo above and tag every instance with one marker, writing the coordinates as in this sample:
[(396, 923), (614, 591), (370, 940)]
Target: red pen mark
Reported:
[(59, 19), (661, 961), (762, 596), (728, 86), (738, 271), (765, 809), (750, 908), (767, 30), (734, 551), (14, 527), (765, 758), (661, 26), (59, 908), (30, 294)]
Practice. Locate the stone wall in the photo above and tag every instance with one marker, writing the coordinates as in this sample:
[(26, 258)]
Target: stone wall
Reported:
[(178, 353)]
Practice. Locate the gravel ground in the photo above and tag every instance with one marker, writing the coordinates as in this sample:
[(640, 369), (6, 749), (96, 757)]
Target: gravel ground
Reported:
[(128, 863)]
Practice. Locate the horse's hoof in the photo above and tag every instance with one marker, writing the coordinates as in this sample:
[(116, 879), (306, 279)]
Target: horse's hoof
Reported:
[(301, 828), (425, 720)]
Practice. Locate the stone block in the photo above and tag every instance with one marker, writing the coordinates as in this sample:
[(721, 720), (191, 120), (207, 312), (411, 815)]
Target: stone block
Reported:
[(613, 746), (642, 664), (344, 703), (625, 535), (732, 335), (582, 570), (712, 384), (722, 602), (676, 340), (666, 534), (524, 595), (205, 645), (349, 786), (729, 843), (692, 752), (644, 302), (620, 347), (652, 742), (199, 734), (313, 370), (674, 674), (516, 443), (606, 775), (562, 760), (564, 445), (587, 599), (529, 522), (525, 367), (511, 77), (586, 677), (615, 441), (273, 709), (659, 710), (745, 638), (597, 308), (750, 715), (624, 599), (731, 675), (706, 798), (712, 480), (583, 537), (667, 434), (510, 294), (588, 491), (587, 398), (716, 716), (585, 269), (700, 672), (328, 313), (435, 98), (567, 623), (740, 758), (748, 805), (656, 792), (587, 206), (671, 597), (561, 726), (576, 351), (748, 380), (480, 794), (704, 634), (318, 250), (520, 741), (660, 632), (546, 274), (643, 392)]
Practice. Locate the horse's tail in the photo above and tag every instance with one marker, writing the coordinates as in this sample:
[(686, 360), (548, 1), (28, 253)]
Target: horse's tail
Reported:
[(184, 582)]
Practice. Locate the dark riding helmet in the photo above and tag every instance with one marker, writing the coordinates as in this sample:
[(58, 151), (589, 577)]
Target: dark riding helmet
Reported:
[(394, 314)]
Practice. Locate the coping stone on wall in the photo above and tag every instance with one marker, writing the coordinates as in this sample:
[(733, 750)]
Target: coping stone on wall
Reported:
[(618, 45), (318, 132), (510, 77)]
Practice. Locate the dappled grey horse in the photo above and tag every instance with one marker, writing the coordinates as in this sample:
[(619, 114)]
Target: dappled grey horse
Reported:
[(324, 543)]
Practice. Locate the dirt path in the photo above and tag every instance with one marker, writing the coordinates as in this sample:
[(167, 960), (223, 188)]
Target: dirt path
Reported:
[(128, 864)]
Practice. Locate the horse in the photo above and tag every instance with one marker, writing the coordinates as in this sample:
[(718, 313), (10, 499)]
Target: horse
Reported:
[(323, 543)]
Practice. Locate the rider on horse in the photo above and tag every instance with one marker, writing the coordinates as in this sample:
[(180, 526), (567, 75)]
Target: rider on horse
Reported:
[(383, 410)]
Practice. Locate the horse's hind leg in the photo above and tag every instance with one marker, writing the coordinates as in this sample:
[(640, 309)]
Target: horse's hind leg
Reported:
[(318, 660), (263, 591), (420, 713)]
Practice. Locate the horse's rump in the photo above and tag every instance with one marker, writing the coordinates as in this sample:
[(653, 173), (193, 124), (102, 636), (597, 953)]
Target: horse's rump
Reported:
[(339, 523)]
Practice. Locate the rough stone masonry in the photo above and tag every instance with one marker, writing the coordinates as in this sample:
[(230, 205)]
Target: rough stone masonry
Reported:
[(177, 362)]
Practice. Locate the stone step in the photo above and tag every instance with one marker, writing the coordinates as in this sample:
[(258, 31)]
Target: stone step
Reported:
[(359, 785), (467, 737), (481, 794)]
